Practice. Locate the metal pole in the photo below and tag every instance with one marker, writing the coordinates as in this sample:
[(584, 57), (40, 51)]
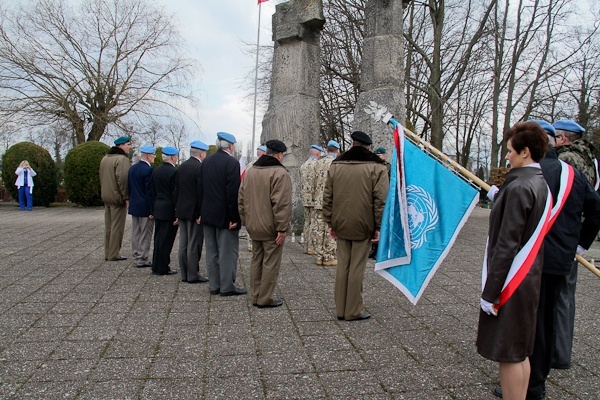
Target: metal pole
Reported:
[(252, 150)]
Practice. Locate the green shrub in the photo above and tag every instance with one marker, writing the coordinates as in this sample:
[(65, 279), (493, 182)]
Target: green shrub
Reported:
[(82, 176), (44, 183), (158, 160)]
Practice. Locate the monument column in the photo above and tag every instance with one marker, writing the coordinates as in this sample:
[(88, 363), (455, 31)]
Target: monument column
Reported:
[(293, 112), (382, 69)]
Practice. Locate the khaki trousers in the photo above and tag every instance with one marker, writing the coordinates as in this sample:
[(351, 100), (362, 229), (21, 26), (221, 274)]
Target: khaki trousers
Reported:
[(114, 226), (141, 237), (264, 270), (352, 261)]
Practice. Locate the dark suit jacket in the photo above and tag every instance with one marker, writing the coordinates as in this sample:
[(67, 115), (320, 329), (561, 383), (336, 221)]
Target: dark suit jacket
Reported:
[(569, 230), (164, 181), (140, 190), (188, 189), (219, 185)]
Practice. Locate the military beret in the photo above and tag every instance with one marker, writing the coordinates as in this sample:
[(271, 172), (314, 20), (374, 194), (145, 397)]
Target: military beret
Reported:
[(226, 136), (122, 140), (316, 147), (262, 147), (196, 144), (147, 149), (545, 126), (170, 151), (277, 145), (333, 143), (568, 125), (379, 150), (361, 137)]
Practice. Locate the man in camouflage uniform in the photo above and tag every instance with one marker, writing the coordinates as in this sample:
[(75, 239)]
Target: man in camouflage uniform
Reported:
[(325, 246), (579, 153), (307, 181)]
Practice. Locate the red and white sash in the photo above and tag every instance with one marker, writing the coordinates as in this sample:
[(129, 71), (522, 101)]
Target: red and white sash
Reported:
[(525, 258)]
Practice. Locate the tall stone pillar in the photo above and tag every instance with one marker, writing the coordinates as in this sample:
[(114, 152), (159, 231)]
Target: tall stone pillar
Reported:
[(293, 112), (382, 69)]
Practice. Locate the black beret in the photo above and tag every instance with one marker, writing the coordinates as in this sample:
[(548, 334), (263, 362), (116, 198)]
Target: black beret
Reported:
[(362, 137), (276, 145)]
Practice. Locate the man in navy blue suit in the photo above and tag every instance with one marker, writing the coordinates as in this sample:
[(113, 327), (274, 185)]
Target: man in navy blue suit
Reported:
[(220, 182), (141, 206), (164, 183), (191, 235)]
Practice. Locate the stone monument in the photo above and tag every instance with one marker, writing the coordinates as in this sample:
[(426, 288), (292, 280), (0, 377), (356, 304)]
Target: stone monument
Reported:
[(382, 69), (293, 112)]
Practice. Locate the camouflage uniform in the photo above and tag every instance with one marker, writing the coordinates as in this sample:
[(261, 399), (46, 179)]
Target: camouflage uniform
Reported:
[(325, 246), (580, 154), (307, 179)]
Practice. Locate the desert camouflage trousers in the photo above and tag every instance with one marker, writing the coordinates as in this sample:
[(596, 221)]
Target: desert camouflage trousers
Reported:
[(325, 246), (309, 229)]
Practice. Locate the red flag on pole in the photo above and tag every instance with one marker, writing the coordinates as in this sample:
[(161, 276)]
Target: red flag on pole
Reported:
[(262, 1)]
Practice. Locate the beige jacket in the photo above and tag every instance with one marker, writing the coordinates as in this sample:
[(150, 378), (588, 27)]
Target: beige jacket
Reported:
[(265, 199), (114, 168)]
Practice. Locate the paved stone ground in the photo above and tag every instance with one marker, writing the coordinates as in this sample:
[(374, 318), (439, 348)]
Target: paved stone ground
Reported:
[(75, 326)]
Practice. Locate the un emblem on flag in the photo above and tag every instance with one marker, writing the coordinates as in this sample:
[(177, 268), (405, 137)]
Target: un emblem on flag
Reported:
[(422, 215)]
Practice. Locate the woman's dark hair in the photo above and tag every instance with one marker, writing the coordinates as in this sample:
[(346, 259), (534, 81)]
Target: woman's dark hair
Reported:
[(530, 135)]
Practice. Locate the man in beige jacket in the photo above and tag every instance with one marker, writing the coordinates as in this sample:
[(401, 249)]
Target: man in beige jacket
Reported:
[(114, 168), (353, 201), (265, 207)]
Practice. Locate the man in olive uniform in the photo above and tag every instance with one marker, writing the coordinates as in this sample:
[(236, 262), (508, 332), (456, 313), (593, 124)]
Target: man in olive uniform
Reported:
[(307, 179), (325, 246), (114, 169), (353, 202)]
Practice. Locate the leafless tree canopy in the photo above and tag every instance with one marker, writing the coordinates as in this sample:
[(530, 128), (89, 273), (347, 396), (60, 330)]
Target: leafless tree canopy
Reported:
[(88, 63)]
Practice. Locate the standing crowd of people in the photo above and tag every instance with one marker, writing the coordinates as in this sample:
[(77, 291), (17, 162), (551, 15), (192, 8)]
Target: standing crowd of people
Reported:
[(545, 213)]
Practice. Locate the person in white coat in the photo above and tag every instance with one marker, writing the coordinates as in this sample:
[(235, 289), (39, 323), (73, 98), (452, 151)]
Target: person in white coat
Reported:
[(24, 184)]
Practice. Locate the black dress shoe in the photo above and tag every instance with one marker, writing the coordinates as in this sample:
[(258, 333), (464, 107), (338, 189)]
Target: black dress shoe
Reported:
[(363, 315), (497, 392), (234, 292), (340, 318), (169, 272), (199, 280), (143, 266), (120, 258), (274, 303), (215, 292)]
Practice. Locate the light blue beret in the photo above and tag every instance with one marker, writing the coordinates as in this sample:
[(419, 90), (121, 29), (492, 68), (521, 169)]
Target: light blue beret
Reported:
[(226, 136), (333, 143), (262, 148), (316, 147), (545, 126), (148, 149), (196, 144), (122, 140), (568, 125), (170, 151)]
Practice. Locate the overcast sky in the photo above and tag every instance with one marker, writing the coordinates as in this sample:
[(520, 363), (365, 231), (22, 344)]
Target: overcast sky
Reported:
[(215, 31)]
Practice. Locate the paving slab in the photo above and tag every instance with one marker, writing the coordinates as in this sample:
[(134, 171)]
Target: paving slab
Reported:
[(75, 326)]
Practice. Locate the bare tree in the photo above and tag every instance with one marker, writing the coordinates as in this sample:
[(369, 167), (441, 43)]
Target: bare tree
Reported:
[(89, 65)]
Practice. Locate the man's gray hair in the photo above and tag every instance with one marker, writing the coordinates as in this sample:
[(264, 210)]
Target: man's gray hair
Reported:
[(551, 140), (195, 152), (222, 144), (572, 136), (166, 158)]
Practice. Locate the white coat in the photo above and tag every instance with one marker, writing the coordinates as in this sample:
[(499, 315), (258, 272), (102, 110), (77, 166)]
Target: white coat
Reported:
[(21, 177)]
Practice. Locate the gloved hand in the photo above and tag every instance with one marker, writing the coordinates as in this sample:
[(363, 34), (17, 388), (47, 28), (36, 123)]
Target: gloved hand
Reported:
[(492, 192), (488, 307), (580, 250)]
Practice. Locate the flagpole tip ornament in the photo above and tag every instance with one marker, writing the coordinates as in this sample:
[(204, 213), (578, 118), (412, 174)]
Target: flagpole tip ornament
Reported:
[(379, 113)]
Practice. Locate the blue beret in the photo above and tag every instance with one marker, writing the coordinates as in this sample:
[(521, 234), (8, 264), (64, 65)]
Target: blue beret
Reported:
[(226, 136), (545, 126), (196, 144), (568, 125), (122, 140), (262, 148), (148, 149), (333, 143), (316, 147), (170, 151)]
